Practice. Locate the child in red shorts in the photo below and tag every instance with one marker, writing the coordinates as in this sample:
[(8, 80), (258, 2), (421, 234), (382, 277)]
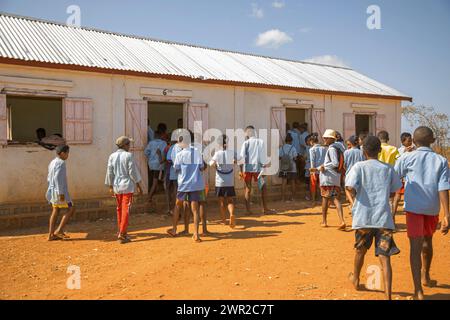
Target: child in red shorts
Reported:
[(426, 188)]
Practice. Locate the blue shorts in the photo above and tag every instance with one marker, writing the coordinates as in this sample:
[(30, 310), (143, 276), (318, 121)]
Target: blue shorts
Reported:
[(198, 196)]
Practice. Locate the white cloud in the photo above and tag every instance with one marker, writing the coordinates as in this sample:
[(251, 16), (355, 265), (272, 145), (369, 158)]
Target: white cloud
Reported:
[(273, 39), (328, 59), (257, 12), (278, 4)]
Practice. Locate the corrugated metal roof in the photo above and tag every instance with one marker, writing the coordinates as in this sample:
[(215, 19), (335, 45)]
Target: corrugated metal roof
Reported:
[(29, 39)]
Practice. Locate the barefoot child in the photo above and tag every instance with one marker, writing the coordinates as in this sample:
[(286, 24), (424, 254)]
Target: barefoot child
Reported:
[(122, 175), (351, 156), (370, 183), (255, 160), (407, 146), (426, 187), (188, 164), (224, 161), (330, 178), (171, 175), (317, 158), (288, 167), (58, 193), (155, 154)]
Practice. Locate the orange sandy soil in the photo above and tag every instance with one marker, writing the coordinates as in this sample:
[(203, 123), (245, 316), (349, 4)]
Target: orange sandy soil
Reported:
[(284, 256)]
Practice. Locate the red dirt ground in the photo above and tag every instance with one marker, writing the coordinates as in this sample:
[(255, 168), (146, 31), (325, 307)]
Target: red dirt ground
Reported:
[(284, 256)]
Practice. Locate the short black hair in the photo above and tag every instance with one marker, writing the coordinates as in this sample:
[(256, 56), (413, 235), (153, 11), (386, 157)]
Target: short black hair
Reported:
[(353, 140), (372, 145), (62, 148), (314, 137), (423, 136), (250, 127), (288, 138), (405, 135), (162, 128), (383, 135)]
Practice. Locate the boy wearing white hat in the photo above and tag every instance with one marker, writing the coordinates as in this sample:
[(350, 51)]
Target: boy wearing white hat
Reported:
[(330, 178), (122, 175)]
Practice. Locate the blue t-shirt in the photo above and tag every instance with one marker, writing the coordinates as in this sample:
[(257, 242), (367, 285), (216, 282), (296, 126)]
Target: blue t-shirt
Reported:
[(317, 156), (224, 160), (351, 157), (374, 181), (426, 174), (171, 155), (154, 161), (189, 163)]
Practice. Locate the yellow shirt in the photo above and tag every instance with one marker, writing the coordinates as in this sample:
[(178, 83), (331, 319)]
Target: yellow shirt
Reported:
[(388, 154)]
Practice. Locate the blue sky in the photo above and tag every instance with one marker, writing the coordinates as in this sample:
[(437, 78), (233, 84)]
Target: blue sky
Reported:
[(411, 52)]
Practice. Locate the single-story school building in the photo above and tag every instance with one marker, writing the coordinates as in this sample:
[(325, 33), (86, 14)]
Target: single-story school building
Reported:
[(92, 86)]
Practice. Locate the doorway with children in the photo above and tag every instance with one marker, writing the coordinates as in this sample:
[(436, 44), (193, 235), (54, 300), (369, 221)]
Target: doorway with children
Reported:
[(163, 119)]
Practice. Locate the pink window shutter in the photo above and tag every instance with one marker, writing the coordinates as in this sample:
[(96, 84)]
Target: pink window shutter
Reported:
[(349, 125), (278, 121), (3, 120), (380, 122), (78, 115), (198, 112), (318, 124), (136, 126)]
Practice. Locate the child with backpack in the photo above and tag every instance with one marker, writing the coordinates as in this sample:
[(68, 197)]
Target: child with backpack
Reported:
[(330, 178), (352, 156), (288, 169)]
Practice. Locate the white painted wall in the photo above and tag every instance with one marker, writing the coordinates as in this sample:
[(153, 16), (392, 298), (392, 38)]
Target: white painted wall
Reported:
[(23, 169)]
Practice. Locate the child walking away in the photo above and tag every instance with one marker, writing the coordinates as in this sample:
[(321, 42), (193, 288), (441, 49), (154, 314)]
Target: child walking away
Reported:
[(188, 163), (288, 167), (122, 175), (58, 193), (352, 156), (426, 184), (255, 160), (224, 161), (171, 175), (317, 158), (307, 172), (388, 154), (330, 178), (371, 184), (407, 146), (155, 154)]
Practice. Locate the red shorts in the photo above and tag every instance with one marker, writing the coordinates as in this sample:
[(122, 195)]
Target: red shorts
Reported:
[(420, 225), (315, 183), (402, 190), (248, 176)]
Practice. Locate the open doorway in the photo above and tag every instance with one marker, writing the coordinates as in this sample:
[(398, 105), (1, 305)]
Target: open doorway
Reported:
[(364, 124), (297, 115), (170, 115)]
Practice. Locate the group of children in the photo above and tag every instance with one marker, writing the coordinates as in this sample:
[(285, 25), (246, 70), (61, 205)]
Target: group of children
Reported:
[(370, 170)]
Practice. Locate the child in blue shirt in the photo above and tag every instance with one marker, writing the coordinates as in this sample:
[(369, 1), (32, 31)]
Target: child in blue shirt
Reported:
[(351, 156), (427, 183), (58, 193), (317, 158), (189, 165), (288, 167), (371, 183), (224, 161), (155, 154)]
